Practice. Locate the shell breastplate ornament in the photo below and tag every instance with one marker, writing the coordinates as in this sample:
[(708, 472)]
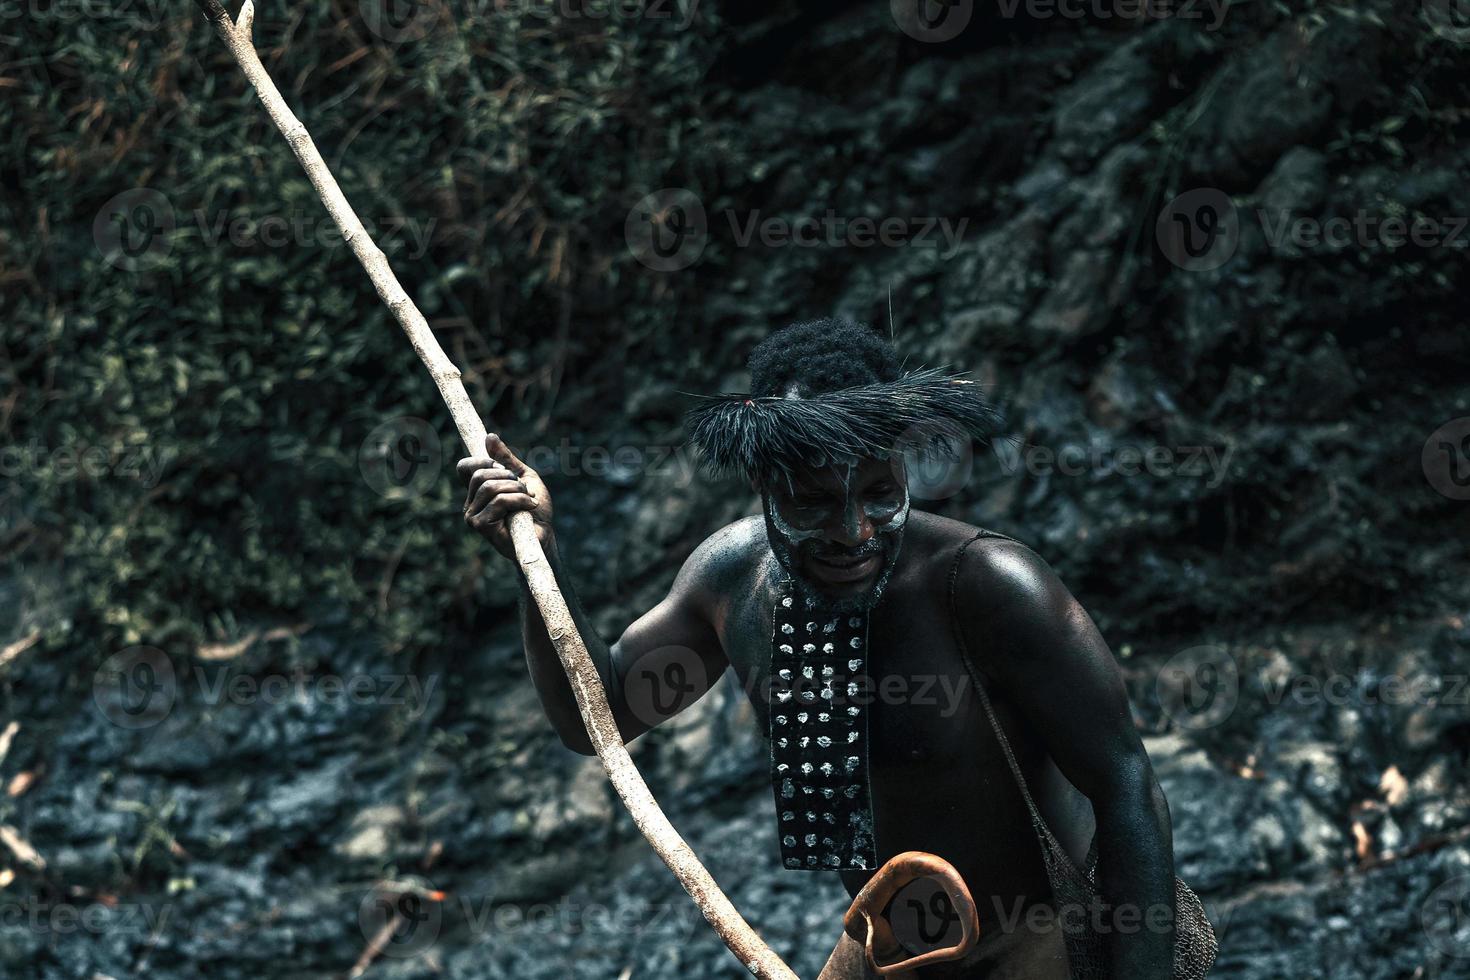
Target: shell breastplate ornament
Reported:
[(818, 710)]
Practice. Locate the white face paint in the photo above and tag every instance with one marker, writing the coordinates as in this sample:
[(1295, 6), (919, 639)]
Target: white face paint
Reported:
[(789, 532), (880, 513), (897, 521), (794, 526)]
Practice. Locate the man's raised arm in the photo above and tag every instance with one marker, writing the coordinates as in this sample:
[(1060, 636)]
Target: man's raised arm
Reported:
[(1049, 660), (664, 662)]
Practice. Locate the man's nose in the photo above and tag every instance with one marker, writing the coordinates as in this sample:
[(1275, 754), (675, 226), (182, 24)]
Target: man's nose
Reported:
[(853, 529)]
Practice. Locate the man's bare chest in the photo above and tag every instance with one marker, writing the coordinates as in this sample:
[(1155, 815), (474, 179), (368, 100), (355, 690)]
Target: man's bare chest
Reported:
[(919, 696)]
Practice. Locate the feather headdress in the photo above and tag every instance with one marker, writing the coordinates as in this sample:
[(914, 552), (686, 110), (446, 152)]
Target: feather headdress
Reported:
[(757, 437)]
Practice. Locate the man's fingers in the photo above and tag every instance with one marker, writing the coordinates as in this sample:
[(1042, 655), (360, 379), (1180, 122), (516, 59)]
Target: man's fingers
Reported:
[(499, 485), (490, 488), (469, 464), (501, 507), (489, 473), (483, 522), (497, 448), (479, 477), (481, 468)]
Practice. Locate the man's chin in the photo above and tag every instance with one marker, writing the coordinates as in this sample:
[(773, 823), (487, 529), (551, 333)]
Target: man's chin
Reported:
[(842, 596), (842, 590)]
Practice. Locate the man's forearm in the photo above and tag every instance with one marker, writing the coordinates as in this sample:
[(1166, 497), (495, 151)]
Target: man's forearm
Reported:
[(547, 674), (1136, 878)]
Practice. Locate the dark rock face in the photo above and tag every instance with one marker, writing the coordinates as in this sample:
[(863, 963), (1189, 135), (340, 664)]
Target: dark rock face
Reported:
[(1223, 457)]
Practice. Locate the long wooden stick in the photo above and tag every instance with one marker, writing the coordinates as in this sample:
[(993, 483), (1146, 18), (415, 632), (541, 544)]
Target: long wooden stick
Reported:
[(586, 684)]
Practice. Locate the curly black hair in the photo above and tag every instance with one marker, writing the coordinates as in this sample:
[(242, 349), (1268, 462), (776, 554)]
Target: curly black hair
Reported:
[(819, 356)]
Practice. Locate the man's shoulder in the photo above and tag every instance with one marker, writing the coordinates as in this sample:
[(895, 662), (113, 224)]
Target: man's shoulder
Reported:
[(731, 554), (997, 572)]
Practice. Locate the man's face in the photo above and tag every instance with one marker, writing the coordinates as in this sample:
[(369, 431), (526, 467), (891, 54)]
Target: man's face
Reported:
[(837, 529)]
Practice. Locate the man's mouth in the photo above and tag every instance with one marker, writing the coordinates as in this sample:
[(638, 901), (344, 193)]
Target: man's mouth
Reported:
[(846, 568)]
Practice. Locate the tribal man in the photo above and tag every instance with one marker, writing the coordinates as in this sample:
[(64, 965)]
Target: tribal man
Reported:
[(836, 607)]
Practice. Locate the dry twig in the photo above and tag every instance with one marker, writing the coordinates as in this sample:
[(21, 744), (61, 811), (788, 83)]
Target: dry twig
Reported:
[(585, 682)]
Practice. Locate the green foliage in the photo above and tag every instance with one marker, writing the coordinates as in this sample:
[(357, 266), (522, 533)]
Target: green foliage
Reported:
[(240, 365)]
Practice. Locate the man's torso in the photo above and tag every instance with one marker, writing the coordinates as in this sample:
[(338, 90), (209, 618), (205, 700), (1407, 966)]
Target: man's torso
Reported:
[(939, 780)]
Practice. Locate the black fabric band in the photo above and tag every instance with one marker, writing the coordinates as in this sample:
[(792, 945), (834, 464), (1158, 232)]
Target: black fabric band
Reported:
[(819, 737)]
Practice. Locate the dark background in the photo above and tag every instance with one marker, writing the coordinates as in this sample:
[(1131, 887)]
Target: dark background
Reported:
[(195, 433)]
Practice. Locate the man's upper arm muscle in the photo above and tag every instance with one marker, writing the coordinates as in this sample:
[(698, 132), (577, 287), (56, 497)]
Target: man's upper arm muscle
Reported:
[(671, 655), (1049, 659)]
